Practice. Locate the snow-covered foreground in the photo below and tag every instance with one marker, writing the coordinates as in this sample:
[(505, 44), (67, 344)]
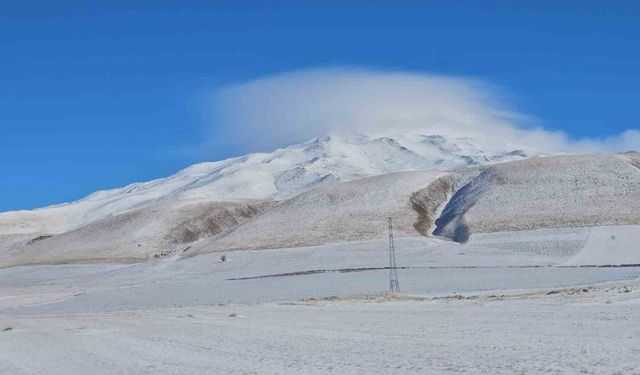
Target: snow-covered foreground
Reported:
[(501, 303), (586, 330)]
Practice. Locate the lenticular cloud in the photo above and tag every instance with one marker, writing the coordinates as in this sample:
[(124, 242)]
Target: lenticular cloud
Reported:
[(288, 108)]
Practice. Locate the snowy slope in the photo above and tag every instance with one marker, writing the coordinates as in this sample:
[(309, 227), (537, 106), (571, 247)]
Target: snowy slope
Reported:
[(537, 193), (278, 175), (549, 192), (342, 211), (348, 211), (151, 232)]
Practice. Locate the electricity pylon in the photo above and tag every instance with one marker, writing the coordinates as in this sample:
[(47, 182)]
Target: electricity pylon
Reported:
[(394, 284)]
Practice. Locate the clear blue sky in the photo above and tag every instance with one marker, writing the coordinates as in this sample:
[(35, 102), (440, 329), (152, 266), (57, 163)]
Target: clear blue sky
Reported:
[(99, 94)]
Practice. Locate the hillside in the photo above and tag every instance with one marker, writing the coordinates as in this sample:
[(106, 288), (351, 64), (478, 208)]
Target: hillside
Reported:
[(538, 193), (279, 175), (328, 190), (143, 234), (549, 192), (349, 211)]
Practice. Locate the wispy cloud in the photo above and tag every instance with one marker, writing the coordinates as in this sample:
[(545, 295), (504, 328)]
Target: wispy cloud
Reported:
[(287, 108)]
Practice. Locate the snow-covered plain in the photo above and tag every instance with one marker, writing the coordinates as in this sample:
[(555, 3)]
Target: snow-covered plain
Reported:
[(500, 303), (571, 332)]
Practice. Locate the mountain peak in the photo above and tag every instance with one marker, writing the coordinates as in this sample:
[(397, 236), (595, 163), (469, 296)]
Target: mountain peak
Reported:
[(278, 175)]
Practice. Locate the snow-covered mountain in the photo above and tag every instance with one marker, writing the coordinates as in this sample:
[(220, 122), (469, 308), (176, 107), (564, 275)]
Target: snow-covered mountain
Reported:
[(332, 189), (278, 175)]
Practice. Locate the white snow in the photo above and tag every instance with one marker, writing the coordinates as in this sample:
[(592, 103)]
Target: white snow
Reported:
[(537, 287), (507, 260), (498, 304), (538, 193), (350, 211), (138, 235), (278, 175), (544, 192), (611, 245)]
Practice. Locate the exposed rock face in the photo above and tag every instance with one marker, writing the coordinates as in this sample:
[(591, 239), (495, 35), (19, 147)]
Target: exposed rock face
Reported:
[(427, 202)]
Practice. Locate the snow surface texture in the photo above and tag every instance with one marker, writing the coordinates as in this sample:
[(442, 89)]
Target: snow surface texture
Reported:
[(278, 175), (493, 261), (498, 304), (547, 192), (577, 331), (610, 245)]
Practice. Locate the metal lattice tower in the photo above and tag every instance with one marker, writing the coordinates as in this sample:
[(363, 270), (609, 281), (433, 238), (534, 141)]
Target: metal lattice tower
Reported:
[(394, 284)]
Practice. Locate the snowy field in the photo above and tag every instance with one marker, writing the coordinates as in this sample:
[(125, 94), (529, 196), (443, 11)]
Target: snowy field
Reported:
[(517, 302), (572, 332)]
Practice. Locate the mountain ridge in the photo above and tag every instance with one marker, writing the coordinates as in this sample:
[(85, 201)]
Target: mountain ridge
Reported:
[(278, 175)]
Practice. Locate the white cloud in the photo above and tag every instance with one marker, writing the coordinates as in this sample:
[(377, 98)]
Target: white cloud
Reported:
[(293, 107), (626, 141)]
